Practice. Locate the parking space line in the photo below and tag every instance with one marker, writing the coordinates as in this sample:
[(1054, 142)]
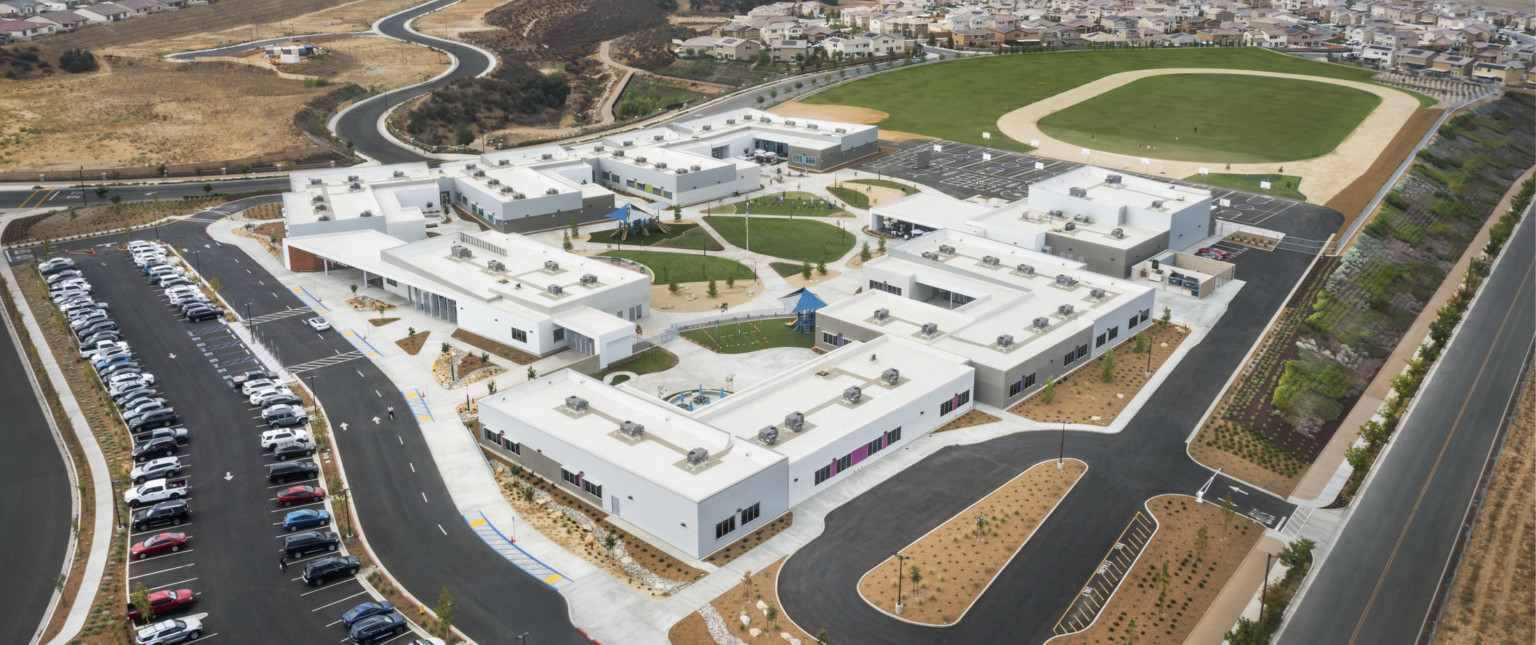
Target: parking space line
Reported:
[(178, 582), (325, 588), (338, 601), (153, 573)]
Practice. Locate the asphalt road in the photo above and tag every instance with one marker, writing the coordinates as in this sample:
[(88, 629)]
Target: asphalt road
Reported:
[(17, 197), (410, 521), (1377, 583), (38, 522), (1030, 595), (360, 123)]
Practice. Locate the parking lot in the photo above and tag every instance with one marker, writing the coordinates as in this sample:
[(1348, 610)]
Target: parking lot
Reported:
[(234, 535)]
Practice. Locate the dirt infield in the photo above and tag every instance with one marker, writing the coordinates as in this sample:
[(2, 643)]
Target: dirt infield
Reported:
[(1326, 176), (1353, 198), (844, 113)]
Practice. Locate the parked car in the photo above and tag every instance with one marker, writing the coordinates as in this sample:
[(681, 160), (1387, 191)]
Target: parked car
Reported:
[(141, 407), (55, 265), (287, 419), (66, 274), (108, 358), (278, 398), (370, 608), (260, 393), (1213, 253), (300, 495), (179, 434), (162, 446), (378, 628), (103, 335), (318, 323), (199, 314), (323, 570), (164, 418), (123, 396), (306, 518), (104, 325), (128, 380), (88, 319), (292, 471), (171, 513), (139, 400), (170, 631), (164, 602), (271, 438), (156, 469), (253, 375), (157, 490), (91, 350), (134, 418), (252, 385), (293, 450), (300, 545), (122, 367), (159, 544)]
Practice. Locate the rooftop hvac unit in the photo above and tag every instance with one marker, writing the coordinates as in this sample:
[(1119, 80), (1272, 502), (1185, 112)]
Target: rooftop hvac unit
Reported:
[(882, 314), (495, 265), (1079, 218), (353, 178), (764, 119), (503, 162), (682, 171), (551, 266), (479, 173), (399, 173), (317, 199), (518, 195), (324, 218), (1071, 226), (631, 429), (1042, 322), (1065, 280), (891, 376), (695, 167), (812, 126), (493, 182), (471, 166), (555, 290), (618, 153), (628, 143), (365, 214), (355, 186), (315, 181), (460, 252), (1005, 341), (588, 279), (1057, 213), (320, 208), (1113, 179), (990, 261), (930, 329), (728, 122), (658, 138), (639, 159), (706, 127), (853, 394), (841, 130), (1119, 233), (547, 156), (1065, 310), (770, 434), (575, 403), (795, 421), (1077, 192), (1025, 269), (946, 249), (661, 164), (1157, 203), (597, 148), (1096, 293), (789, 122), (697, 456), (552, 191), (930, 255), (507, 190)]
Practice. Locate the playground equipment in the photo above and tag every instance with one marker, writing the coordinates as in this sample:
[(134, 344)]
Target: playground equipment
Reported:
[(803, 304), (634, 222)]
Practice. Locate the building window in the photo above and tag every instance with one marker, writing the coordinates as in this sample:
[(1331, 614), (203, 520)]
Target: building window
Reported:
[(725, 528), (1022, 384), (824, 474), (1082, 350), (592, 488), (829, 338), (559, 334), (844, 462), (391, 283), (570, 477), (519, 335), (1067, 360), (955, 402), (512, 446), (753, 512), (1132, 324), (1099, 342), (893, 436), (492, 435), (1114, 332), (1144, 314), (875, 446)]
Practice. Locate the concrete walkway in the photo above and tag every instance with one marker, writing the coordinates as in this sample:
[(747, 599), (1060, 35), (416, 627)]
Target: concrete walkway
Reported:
[(1328, 473)]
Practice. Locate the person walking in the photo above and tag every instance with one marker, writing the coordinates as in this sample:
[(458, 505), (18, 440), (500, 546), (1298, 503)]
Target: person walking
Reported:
[(282, 561), (391, 413)]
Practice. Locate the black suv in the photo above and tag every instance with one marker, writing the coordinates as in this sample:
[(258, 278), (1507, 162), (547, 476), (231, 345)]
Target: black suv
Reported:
[(291, 449), (329, 568), (157, 447), (162, 418), (377, 628), (171, 513), (199, 314), (299, 545), (240, 379), (291, 471)]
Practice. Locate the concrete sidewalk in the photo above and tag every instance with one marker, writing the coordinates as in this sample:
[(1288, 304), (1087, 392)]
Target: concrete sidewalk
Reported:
[(1328, 473)]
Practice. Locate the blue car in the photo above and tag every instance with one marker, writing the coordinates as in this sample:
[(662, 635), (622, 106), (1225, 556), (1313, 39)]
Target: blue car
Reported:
[(307, 518), (370, 608), (378, 627)]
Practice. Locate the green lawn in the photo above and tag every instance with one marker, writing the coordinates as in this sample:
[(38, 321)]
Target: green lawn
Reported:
[(786, 269), (792, 203), (861, 200), (750, 336), (1280, 185), (791, 239), (1224, 118), (961, 99), (649, 361), (647, 94), (685, 267), (678, 236)]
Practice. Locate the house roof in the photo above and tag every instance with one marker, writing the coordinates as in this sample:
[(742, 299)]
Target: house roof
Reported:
[(22, 25), (104, 9)]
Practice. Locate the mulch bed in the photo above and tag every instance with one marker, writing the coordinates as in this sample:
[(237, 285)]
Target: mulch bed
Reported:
[(487, 345), (412, 344)]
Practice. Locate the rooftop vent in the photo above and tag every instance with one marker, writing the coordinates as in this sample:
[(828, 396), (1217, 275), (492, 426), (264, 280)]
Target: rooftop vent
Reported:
[(853, 394), (769, 434), (946, 249), (551, 266), (706, 127), (682, 171), (1065, 280), (841, 130), (518, 195), (355, 186), (555, 290), (503, 162), (317, 199), (1042, 322), (658, 138), (661, 164), (891, 376), (1057, 213), (812, 126), (1157, 203), (1118, 233), (1113, 180), (882, 314), (1025, 269), (547, 156), (990, 261), (1077, 192), (320, 208), (324, 218), (930, 255), (460, 252), (1065, 310), (399, 173), (575, 404), (507, 190), (552, 191), (597, 148), (1096, 293), (729, 122), (471, 166), (795, 421), (493, 182), (1079, 218), (315, 181), (353, 178), (765, 119), (930, 329), (495, 265), (695, 167), (631, 429), (479, 173), (589, 279), (1071, 226), (365, 214), (697, 456), (618, 153), (789, 121), (639, 159), (1005, 341), (628, 143)]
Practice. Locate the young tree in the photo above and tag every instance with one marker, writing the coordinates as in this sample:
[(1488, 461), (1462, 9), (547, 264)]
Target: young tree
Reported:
[(864, 253), (101, 191), (462, 135), (1141, 342), (532, 373), (1162, 594), (140, 600), (805, 270), (730, 281), (446, 348), (214, 283), (880, 244), (916, 575), (1048, 395), (575, 228), (1131, 633), (677, 213), (1201, 540), (1298, 552), (1167, 316), (1107, 369), (712, 291), (207, 188), (672, 286), (47, 246), (354, 289), (1228, 511), (445, 610), (821, 637), (821, 268), (1247, 632)]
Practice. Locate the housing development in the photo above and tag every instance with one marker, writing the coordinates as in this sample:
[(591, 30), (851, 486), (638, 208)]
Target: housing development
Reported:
[(751, 322)]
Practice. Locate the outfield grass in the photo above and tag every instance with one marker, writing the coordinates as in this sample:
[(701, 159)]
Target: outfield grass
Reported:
[(678, 236), (927, 99), (1280, 185), (791, 239), (1224, 118), (750, 336), (792, 203), (685, 267)]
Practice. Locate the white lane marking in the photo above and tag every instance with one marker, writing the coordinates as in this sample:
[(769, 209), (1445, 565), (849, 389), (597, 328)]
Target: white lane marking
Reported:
[(178, 582), (158, 572), (440, 528), (413, 464), (338, 601), (424, 497)]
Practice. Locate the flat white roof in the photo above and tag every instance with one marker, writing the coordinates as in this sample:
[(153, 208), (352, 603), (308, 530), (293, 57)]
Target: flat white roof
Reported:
[(505, 182), (522, 276), (1019, 217), (933, 211), (1130, 190), (347, 193)]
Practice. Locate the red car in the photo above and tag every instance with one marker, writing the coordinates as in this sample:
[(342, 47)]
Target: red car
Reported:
[(164, 602), (300, 495), (162, 543), (1212, 253)]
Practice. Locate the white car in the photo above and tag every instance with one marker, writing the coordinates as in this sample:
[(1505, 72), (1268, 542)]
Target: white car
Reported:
[(318, 324), (170, 631), (120, 382), (271, 438), (90, 351), (262, 393), (156, 469), (252, 385)]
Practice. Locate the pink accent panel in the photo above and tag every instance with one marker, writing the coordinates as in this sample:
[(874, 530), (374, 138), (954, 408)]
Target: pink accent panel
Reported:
[(858, 455)]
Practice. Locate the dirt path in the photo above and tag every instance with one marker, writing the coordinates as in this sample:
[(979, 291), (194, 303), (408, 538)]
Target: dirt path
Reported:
[(844, 113), (877, 194), (1325, 176)]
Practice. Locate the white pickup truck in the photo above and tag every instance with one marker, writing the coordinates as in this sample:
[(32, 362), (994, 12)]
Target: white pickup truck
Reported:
[(156, 490)]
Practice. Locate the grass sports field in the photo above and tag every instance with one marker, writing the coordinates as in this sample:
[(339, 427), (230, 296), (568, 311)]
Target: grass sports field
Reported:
[(1215, 117), (685, 267), (1288, 186), (923, 99), (792, 239), (740, 338)]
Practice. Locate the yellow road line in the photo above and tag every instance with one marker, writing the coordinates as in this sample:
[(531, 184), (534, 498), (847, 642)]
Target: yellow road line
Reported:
[(29, 198)]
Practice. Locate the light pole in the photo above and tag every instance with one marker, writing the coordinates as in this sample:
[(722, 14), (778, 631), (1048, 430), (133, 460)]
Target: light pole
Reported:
[(1149, 361), (522, 638), (1061, 454), (197, 260), (900, 560)]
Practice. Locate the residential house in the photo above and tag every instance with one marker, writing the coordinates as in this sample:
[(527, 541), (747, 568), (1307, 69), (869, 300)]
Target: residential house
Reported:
[(736, 49), (1452, 65), (697, 46), (140, 8), (1160, 23), (1512, 74), (24, 7), (786, 51), (1182, 39), (1224, 37), (66, 21), (783, 30), (1379, 55), (1196, 23), (103, 12), (1270, 38), (975, 38), (24, 30), (908, 27), (885, 44), (1080, 24), (855, 47), (1518, 53), (1416, 58), (818, 33), (738, 30)]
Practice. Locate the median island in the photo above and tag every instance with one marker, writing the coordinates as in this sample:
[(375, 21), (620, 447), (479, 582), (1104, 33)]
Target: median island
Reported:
[(945, 571)]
